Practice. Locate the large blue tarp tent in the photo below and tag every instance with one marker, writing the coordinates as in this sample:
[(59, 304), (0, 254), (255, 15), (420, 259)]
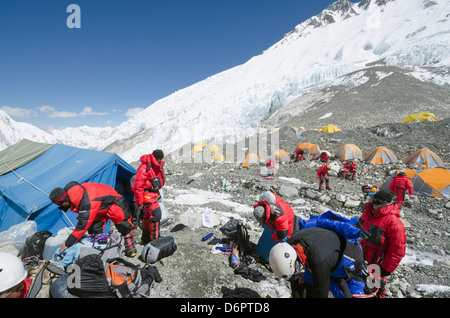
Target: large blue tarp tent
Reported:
[(24, 188)]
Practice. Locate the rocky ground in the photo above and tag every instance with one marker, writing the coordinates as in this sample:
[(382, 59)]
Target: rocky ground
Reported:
[(197, 271)]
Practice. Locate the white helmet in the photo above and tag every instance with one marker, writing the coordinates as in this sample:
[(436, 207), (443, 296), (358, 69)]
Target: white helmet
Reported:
[(12, 271), (283, 260), (269, 197)]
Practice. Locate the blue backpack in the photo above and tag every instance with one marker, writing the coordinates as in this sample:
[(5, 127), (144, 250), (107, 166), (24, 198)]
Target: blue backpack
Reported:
[(351, 262)]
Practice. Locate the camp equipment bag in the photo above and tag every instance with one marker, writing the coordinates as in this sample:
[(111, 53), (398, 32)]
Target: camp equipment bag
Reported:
[(106, 245), (159, 249), (34, 245), (234, 230), (88, 278), (127, 280)]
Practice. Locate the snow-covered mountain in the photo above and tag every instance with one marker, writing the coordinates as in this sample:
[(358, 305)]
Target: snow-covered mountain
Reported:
[(12, 132), (343, 38)]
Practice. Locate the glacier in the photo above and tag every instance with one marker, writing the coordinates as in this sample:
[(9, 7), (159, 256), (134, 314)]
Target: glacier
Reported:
[(343, 38)]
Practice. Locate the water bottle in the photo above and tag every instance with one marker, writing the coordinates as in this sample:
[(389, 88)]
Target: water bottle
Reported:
[(54, 242)]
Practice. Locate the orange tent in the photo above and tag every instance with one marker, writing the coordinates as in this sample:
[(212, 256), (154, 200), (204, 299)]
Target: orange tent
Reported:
[(348, 152), (250, 159), (433, 182), (380, 156), (424, 158), (280, 155), (310, 149)]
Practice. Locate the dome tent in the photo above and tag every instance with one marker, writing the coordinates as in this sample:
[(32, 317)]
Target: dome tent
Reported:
[(280, 156), (380, 156), (348, 152), (330, 129), (250, 159), (424, 158), (433, 182), (420, 117), (310, 149)]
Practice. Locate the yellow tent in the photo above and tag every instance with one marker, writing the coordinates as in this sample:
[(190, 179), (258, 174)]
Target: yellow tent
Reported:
[(330, 129), (213, 148), (420, 117), (348, 152), (199, 147), (424, 158), (380, 156), (218, 157), (251, 159), (280, 155)]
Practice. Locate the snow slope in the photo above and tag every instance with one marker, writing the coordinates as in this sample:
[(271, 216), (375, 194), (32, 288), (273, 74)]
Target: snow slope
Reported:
[(402, 33), (345, 37), (12, 132)]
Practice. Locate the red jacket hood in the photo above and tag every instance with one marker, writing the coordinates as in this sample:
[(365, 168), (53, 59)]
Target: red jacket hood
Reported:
[(388, 209), (150, 159)]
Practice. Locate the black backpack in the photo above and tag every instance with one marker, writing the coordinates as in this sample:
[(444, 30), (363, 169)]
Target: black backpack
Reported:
[(34, 245), (88, 278), (235, 231)]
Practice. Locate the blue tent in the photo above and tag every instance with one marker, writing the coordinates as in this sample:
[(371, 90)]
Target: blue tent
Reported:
[(24, 190)]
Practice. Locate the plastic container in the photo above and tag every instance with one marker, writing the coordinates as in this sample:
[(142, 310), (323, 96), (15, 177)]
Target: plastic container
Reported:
[(54, 242)]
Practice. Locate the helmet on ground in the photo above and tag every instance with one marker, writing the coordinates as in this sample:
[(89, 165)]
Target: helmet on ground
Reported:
[(12, 271), (283, 259), (259, 213)]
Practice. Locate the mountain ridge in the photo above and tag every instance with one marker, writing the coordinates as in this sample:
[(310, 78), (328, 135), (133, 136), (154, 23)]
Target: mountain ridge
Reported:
[(344, 38)]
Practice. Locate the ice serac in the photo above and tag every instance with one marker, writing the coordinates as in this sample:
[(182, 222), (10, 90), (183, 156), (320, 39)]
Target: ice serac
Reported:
[(344, 38)]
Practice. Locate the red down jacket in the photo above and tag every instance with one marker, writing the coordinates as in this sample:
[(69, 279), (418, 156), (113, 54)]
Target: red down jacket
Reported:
[(95, 202), (323, 172), (149, 173), (387, 244), (400, 184), (281, 220)]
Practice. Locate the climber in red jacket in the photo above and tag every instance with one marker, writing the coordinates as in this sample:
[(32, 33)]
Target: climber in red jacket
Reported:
[(299, 155), (277, 214), (349, 167), (386, 245), (399, 185), (322, 173), (95, 204), (324, 156), (150, 178)]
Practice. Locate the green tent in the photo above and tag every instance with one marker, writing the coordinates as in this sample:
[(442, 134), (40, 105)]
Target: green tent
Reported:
[(20, 154)]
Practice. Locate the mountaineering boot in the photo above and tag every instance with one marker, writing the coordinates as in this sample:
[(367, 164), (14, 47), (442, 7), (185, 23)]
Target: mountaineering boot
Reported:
[(328, 186), (154, 230), (130, 248)]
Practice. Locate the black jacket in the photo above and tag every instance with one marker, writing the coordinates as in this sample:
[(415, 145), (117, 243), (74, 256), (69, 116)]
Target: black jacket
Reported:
[(323, 252)]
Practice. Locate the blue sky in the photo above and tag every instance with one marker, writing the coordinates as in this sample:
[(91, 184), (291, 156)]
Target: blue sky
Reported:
[(127, 54)]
